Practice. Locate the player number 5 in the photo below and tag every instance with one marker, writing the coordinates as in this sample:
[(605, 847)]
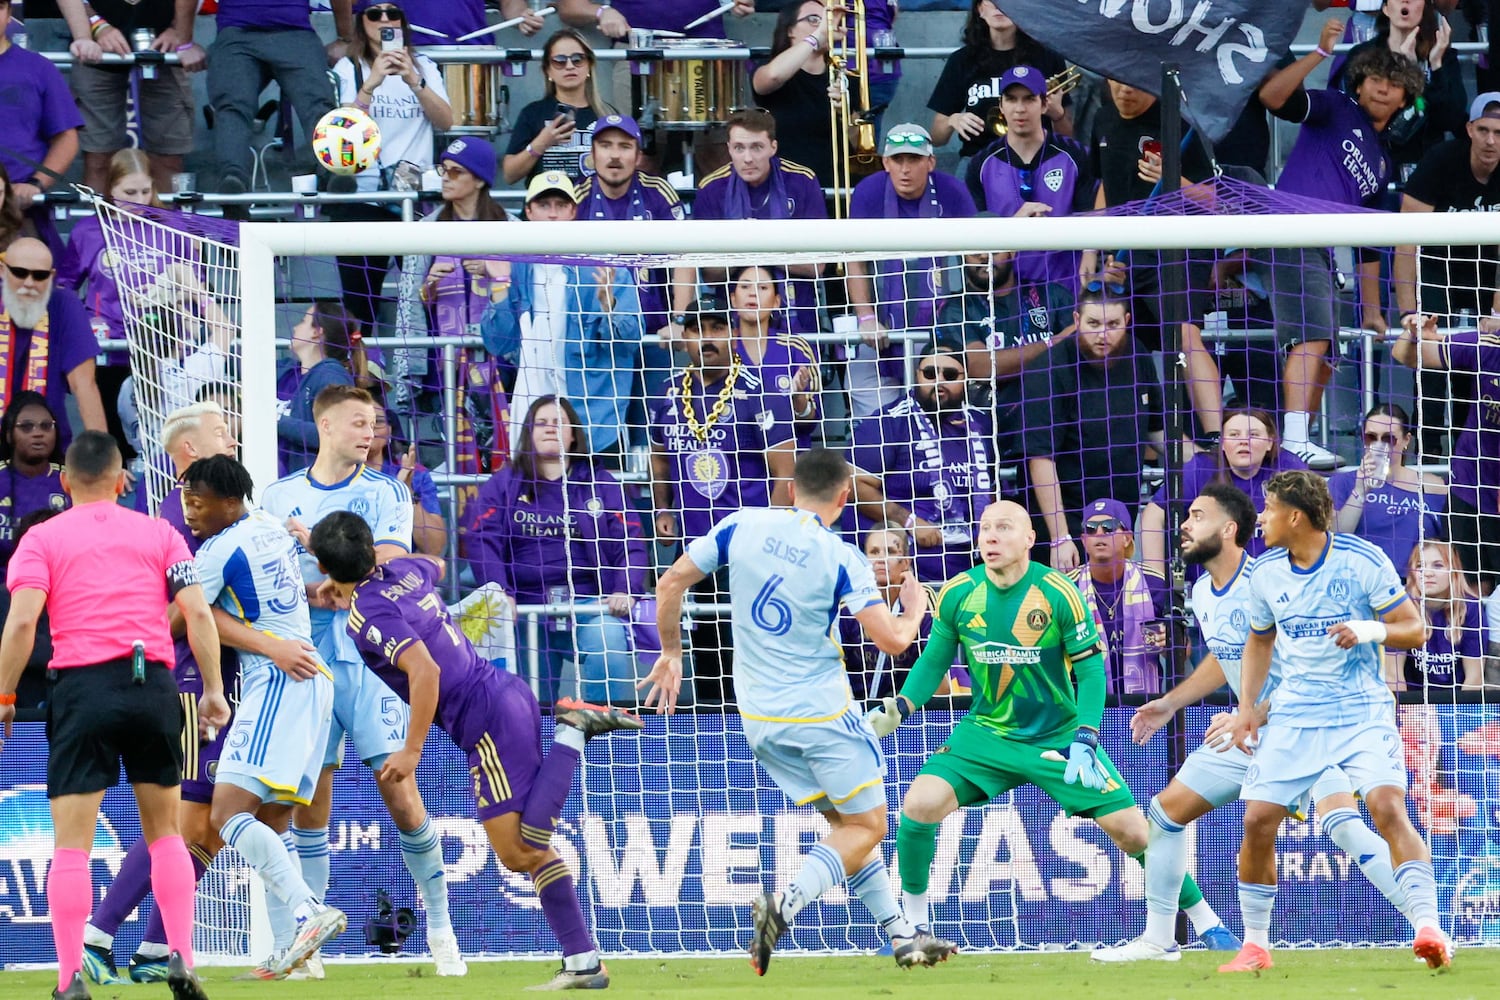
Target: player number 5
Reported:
[(769, 612)]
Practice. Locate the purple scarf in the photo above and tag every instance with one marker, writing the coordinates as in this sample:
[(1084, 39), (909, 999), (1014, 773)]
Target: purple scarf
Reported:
[(1139, 671), (737, 199)]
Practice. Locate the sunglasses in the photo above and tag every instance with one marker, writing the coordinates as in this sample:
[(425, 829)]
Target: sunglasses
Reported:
[(568, 59), (34, 273), (1113, 287), (1380, 439), (451, 171), (31, 426), (1103, 526), (947, 373), (383, 14), (906, 139)]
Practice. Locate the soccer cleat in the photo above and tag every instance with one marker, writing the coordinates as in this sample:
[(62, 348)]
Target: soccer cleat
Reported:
[(1138, 950), (1219, 938), (445, 954), (596, 978), (594, 720), (316, 931), (99, 965), (183, 981), (310, 969), (1433, 947), (768, 926), (77, 990), (265, 971), (148, 968), (923, 948), (1317, 457), (1251, 958)]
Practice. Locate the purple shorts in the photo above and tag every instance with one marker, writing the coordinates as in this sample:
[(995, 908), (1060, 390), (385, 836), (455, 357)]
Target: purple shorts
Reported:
[(201, 760), (502, 733)]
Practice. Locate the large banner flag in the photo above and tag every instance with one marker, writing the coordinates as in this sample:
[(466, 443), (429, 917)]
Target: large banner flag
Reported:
[(1224, 47)]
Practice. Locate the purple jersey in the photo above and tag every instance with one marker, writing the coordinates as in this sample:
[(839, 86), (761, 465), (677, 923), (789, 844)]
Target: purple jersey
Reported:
[(1474, 468), (649, 198), (872, 673), (1393, 517), (451, 18), (265, 15), (1059, 177), (1438, 662), (38, 106), (908, 291), (1338, 156), (20, 495), (1200, 470), (726, 468)]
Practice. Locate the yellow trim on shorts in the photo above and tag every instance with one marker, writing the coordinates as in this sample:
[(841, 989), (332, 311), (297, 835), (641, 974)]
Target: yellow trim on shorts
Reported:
[(857, 790), (189, 735), (806, 801), (282, 793), (489, 763), (776, 718)]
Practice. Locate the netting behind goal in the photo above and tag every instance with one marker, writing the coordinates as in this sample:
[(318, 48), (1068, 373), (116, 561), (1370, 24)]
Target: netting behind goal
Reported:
[(948, 377)]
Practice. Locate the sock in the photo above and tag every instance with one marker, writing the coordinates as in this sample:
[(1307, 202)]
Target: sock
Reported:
[(266, 853), (568, 736), (553, 883), (1416, 883), (125, 894), (155, 932), (423, 854), (916, 843), (873, 887), (70, 890), (1345, 828), (312, 848), (822, 869), (152, 951), (94, 937), (549, 790), (283, 924), (174, 885), (1190, 899), (914, 905), (1294, 426), (1256, 901), (1166, 867)]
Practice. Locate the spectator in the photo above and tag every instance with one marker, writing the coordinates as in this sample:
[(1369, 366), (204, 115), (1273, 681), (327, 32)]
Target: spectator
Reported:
[(163, 108), (320, 358), (571, 331), (13, 221), (614, 20), (903, 294), (757, 183), (1088, 413), (1384, 501), (794, 86), (1453, 655), (403, 91), (259, 41), (1340, 156), (924, 462), (783, 362), (554, 133), (873, 674), (1456, 176), (553, 527), (42, 123), (966, 99), (1248, 456), (46, 345), (429, 531), (1129, 601), (32, 690), (30, 466)]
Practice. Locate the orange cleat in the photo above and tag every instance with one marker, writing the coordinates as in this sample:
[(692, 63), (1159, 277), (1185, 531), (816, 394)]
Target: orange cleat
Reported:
[(1432, 947), (1252, 958)]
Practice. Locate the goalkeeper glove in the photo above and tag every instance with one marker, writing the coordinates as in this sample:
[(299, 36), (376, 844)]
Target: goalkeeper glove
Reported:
[(1083, 761), (890, 714)]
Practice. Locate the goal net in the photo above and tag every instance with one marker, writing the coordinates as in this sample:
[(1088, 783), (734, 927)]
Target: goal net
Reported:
[(953, 361)]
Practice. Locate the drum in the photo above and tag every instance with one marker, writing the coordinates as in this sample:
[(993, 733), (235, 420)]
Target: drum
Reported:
[(695, 93), (473, 92)]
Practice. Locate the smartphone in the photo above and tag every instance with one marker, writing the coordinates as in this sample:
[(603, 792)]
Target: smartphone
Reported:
[(390, 38), (1150, 147), (567, 111)]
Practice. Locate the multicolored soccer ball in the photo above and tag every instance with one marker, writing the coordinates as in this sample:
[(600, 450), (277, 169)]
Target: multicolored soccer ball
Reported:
[(346, 141)]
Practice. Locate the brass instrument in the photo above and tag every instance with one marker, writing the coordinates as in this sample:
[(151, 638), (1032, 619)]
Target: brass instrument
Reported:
[(855, 146), (1058, 85)]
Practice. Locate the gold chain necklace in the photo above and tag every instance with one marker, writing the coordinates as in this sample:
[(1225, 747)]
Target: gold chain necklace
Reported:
[(720, 407)]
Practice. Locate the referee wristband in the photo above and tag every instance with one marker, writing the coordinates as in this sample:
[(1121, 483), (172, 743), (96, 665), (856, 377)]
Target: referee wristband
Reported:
[(10, 699)]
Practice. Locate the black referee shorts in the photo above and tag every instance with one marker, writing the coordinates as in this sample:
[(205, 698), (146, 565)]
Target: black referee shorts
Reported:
[(98, 718)]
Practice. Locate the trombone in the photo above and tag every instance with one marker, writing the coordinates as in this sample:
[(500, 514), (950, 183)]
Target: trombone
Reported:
[(854, 140), (1057, 86)]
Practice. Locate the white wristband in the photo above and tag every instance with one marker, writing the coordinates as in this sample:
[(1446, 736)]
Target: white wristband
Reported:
[(1366, 631)]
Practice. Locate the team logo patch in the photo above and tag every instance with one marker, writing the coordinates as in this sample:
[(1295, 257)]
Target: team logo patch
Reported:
[(942, 495), (373, 634), (213, 770), (765, 419), (708, 473), (360, 506), (1053, 179), (594, 506), (784, 383), (1239, 621), (1037, 620), (57, 501), (1338, 589)]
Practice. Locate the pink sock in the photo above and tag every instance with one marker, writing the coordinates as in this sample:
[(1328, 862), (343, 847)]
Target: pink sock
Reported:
[(173, 883), (70, 891)]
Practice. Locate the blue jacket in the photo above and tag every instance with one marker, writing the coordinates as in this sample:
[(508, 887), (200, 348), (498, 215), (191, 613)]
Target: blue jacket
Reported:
[(297, 429)]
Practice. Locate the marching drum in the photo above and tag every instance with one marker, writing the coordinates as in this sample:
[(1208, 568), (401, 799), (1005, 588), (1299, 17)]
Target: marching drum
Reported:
[(473, 91), (694, 93)]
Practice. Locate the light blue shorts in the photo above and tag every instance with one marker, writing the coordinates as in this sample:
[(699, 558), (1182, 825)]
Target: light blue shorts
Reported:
[(275, 746), (1291, 760), (372, 715), (830, 765), (1215, 777)]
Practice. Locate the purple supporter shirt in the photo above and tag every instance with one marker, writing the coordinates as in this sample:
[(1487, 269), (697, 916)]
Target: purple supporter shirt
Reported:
[(1393, 518), (863, 659), (785, 356), (38, 105), (1059, 178), (650, 198), (88, 266), (1437, 662), (70, 343), (265, 15), (1338, 156), (717, 476), (1200, 470), (672, 15), (453, 18), (20, 495), (1474, 469), (908, 292)]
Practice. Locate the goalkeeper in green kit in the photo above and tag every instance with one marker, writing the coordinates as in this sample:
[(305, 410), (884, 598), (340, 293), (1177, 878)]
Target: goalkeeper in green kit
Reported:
[(1037, 662)]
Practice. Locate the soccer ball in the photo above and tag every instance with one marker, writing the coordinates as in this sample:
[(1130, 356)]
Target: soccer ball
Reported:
[(346, 141)]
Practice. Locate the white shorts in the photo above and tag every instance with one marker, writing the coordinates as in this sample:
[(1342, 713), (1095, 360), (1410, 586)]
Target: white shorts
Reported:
[(275, 746), (364, 707), (1291, 760), (1215, 777), (831, 765)]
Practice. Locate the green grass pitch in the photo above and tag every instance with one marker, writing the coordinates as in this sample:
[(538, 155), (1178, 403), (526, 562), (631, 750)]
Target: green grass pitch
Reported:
[(1358, 974)]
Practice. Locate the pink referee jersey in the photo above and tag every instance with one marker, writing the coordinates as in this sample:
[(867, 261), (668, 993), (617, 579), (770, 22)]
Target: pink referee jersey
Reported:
[(107, 573)]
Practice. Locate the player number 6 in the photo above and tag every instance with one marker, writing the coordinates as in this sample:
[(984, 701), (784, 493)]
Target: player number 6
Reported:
[(771, 613)]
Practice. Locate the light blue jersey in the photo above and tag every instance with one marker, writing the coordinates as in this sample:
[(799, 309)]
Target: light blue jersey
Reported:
[(1322, 685), (788, 577), (1224, 623)]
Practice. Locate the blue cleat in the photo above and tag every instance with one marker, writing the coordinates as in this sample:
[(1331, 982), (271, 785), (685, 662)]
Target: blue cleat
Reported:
[(99, 966), (1219, 938), (148, 969)]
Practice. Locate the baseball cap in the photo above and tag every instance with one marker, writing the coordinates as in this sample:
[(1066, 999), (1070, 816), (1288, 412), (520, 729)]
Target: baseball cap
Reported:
[(550, 180), (709, 307), (907, 137), (1025, 76), (1109, 508), (624, 123), (475, 156), (1486, 105)]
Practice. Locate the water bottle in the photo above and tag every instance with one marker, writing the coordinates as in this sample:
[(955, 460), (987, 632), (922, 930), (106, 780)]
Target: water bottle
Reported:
[(1377, 465)]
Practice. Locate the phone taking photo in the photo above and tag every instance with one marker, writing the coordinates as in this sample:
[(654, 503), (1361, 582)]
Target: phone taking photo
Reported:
[(567, 112), (390, 39)]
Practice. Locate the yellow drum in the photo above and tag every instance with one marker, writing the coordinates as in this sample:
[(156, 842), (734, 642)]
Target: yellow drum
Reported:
[(473, 91), (696, 91)]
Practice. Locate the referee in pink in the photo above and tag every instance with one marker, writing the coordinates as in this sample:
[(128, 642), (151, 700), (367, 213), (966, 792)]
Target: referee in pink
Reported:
[(106, 576)]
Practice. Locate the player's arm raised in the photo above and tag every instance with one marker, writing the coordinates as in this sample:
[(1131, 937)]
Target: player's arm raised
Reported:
[(1202, 682), (422, 673), (665, 679)]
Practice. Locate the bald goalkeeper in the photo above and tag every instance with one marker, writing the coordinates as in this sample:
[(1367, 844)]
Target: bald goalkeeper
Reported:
[(1037, 661)]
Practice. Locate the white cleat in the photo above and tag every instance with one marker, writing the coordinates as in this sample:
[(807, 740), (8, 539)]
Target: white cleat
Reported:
[(445, 954), (311, 969), (1138, 950)]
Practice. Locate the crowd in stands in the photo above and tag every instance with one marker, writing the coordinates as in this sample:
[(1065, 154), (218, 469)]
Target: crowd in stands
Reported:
[(1035, 375)]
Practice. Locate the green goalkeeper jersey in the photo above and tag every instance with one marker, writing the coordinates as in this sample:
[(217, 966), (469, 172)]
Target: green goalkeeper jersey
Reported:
[(1021, 644)]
